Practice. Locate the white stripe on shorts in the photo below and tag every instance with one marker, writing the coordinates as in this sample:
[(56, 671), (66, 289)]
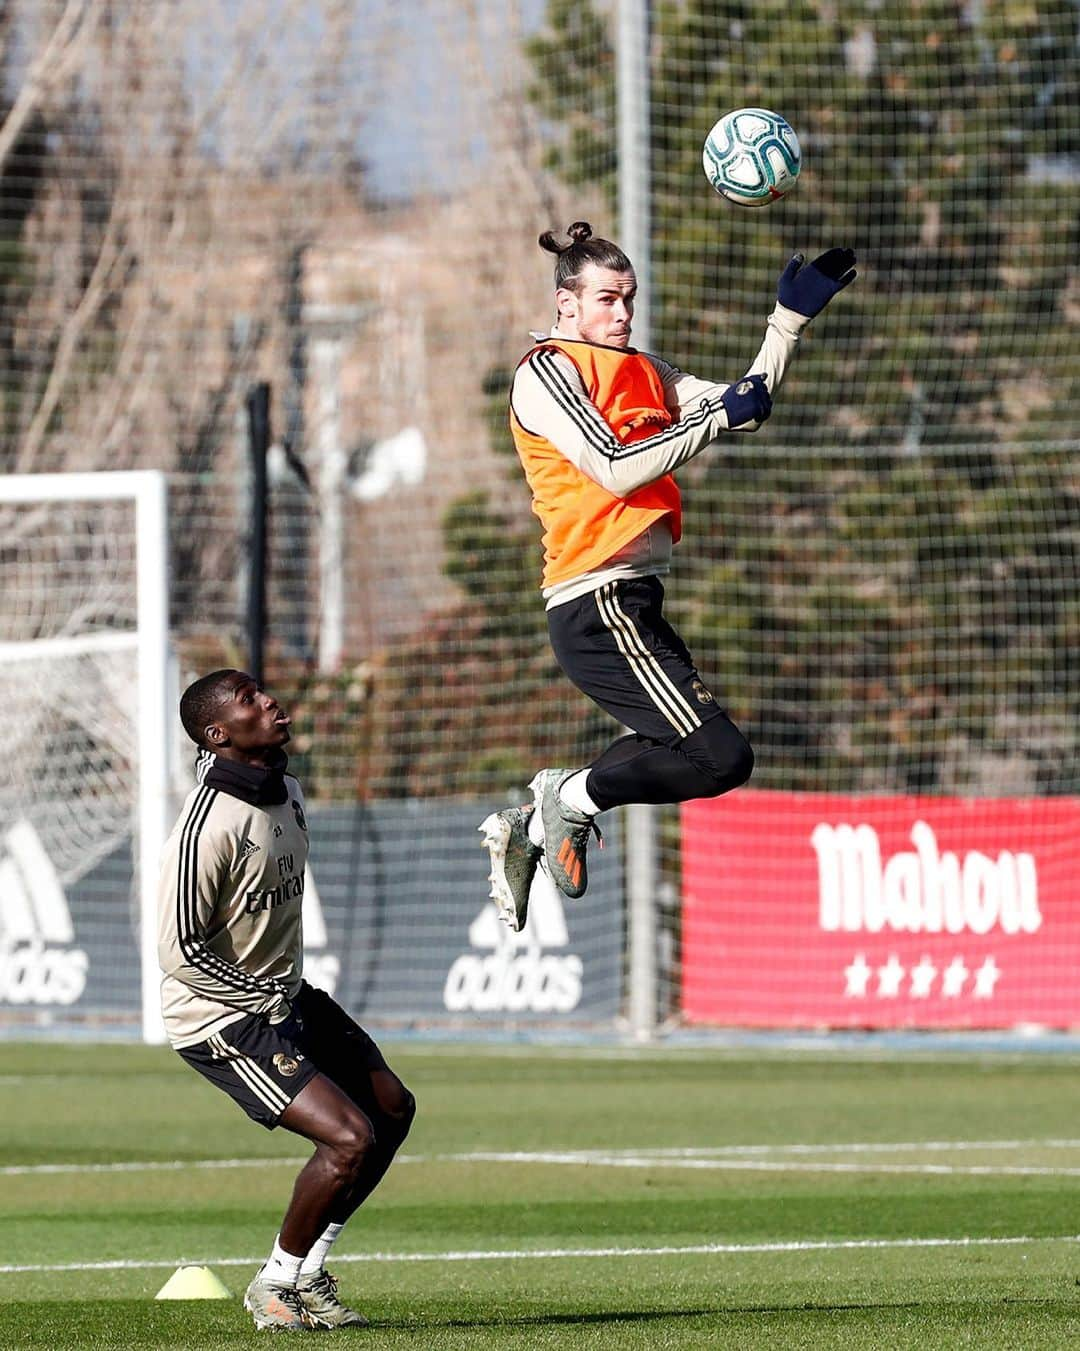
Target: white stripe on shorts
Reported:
[(252, 1073), (652, 677)]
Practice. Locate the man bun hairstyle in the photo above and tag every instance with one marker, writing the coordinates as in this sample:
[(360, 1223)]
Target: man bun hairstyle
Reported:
[(201, 700), (579, 250)]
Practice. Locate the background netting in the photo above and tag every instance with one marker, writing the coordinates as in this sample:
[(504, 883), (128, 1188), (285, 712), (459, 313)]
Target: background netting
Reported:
[(69, 685), (67, 673), (343, 200)]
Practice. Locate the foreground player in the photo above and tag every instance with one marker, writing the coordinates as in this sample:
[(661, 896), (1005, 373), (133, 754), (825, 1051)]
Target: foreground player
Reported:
[(234, 1003), (599, 428)]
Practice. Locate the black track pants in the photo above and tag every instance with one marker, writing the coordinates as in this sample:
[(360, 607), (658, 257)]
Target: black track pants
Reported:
[(617, 647)]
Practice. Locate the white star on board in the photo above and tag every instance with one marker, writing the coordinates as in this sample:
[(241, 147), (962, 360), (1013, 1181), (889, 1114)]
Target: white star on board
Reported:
[(855, 977), (986, 978), (953, 978), (922, 978), (889, 978)]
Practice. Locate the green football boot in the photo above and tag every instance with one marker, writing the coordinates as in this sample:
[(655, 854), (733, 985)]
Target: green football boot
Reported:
[(513, 862), (320, 1298), (566, 833), (276, 1308)]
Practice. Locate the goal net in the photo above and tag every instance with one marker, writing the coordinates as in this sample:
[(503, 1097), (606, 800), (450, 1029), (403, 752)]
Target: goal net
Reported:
[(83, 688)]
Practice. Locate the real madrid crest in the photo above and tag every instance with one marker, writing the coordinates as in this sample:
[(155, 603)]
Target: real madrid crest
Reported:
[(286, 1065), (702, 695)]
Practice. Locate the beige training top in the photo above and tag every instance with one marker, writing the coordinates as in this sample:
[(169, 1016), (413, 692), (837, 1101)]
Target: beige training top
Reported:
[(229, 902)]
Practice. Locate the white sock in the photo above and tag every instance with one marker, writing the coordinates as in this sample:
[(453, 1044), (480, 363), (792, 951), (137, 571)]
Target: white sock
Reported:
[(316, 1258), (573, 793), (281, 1267), (536, 829)]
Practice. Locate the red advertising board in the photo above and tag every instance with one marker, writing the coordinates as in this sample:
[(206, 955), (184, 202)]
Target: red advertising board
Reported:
[(819, 910)]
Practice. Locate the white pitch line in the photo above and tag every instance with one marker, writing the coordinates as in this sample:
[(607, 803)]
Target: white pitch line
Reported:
[(872, 1147), (733, 1158), (522, 1254), (18, 1080), (144, 1166), (780, 1165)]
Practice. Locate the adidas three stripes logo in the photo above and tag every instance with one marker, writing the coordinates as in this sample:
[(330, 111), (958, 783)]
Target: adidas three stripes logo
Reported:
[(644, 663)]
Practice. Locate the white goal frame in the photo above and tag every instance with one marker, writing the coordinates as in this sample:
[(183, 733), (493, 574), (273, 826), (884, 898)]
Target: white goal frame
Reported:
[(146, 489)]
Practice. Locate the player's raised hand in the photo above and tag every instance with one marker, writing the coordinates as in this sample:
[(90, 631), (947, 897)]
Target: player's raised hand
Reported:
[(807, 288), (746, 401)]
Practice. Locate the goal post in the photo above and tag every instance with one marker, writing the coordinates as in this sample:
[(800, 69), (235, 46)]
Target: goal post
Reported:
[(84, 676)]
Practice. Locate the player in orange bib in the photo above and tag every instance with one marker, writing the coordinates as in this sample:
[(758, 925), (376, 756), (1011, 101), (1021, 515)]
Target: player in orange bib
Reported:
[(600, 429)]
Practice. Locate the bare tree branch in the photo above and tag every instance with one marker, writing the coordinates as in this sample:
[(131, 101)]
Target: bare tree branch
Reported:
[(53, 65), (111, 258)]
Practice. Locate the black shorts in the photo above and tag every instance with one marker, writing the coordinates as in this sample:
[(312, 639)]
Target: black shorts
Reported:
[(263, 1071), (616, 646)]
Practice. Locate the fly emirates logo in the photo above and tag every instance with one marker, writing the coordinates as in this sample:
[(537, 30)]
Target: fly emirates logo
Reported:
[(922, 890)]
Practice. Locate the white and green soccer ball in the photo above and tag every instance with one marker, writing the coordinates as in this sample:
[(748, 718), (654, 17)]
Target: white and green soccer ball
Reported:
[(752, 157)]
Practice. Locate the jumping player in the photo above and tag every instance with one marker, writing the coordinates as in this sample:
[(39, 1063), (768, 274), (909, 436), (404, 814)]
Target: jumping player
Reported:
[(237, 1009), (599, 428)]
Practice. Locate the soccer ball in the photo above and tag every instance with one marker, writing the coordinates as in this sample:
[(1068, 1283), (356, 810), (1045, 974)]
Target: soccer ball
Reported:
[(752, 157)]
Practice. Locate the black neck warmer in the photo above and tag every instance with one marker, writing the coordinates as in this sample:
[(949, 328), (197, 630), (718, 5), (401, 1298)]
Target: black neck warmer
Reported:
[(261, 785)]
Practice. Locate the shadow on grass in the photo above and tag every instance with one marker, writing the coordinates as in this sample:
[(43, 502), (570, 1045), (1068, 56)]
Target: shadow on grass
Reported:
[(733, 1310), (140, 1325)]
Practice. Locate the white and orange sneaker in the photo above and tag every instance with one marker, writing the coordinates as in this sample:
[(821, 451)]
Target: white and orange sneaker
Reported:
[(566, 833), (277, 1308), (320, 1298), (513, 862)]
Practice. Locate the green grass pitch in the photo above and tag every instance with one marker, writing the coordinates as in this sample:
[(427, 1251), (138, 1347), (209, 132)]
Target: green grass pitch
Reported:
[(667, 1198)]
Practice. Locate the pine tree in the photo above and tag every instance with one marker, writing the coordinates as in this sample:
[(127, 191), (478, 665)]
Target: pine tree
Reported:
[(883, 579)]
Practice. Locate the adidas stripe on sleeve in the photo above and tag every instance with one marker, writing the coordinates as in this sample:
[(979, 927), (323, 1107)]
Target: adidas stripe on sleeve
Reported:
[(549, 398), (685, 392), (193, 881)]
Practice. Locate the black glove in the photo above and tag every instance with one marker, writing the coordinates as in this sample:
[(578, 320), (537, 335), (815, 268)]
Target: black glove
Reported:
[(747, 400), (807, 290)]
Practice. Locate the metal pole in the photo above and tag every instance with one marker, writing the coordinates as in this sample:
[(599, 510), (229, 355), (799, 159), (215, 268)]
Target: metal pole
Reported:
[(333, 471), (153, 740), (634, 176), (327, 329), (258, 408), (640, 820)]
